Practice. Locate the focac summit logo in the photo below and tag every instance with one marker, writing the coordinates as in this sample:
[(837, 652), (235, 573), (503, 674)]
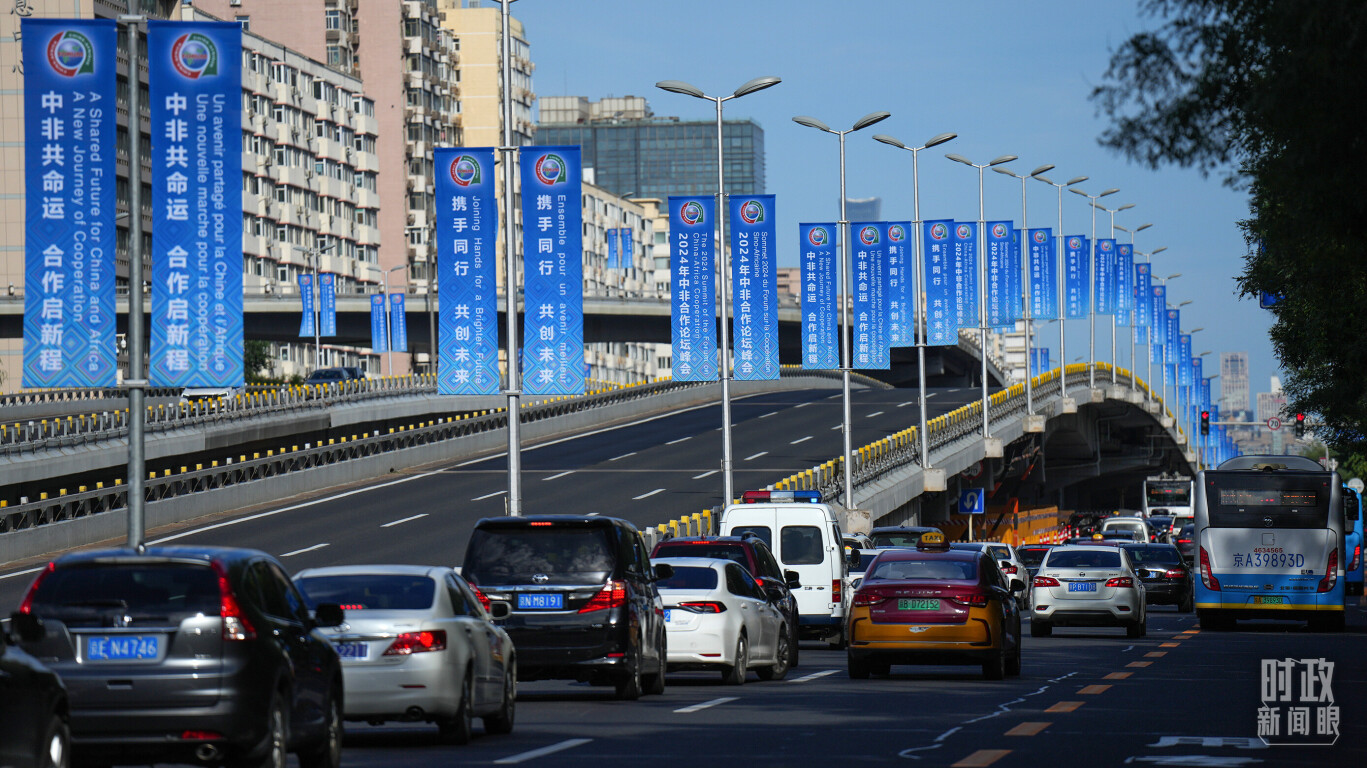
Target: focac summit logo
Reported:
[(896, 233), (963, 231), (194, 55), (818, 236), (939, 231), (70, 53), (465, 171), (999, 230), (868, 235), (1124, 249), (1039, 236), (1075, 243), (752, 212), (691, 212), (550, 169), (1105, 246)]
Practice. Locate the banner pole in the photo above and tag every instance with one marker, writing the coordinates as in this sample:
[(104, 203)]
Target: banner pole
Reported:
[(137, 377)]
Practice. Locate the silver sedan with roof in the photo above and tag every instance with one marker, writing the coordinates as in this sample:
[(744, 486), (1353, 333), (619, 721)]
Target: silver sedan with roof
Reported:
[(1087, 586)]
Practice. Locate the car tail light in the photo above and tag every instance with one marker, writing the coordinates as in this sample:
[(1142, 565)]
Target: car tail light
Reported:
[(541, 524), (1357, 557), (865, 599), (1184, 541), (417, 642), (200, 735), (482, 598), (27, 605), (1175, 573), (1121, 581), (972, 601), (1331, 572), (612, 595), (1046, 581), (837, 588), (1208, 576), (1009, 569), (703, 606), (236, 625)]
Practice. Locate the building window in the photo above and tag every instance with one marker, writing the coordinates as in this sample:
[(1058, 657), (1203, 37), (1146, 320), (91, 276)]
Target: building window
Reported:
[(244, 21)]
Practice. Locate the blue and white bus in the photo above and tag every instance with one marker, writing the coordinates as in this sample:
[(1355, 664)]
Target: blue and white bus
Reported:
[(1269, 542)]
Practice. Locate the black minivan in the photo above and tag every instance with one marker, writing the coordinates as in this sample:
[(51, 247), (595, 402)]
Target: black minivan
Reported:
[(188, 654), (582, 595)]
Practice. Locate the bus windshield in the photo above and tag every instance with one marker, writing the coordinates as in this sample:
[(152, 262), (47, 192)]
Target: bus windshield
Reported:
[(1168, 493), (1255, 500)]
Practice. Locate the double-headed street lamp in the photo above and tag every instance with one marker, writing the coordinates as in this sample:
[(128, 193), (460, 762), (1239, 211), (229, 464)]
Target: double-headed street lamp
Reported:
[(1091, 309), (1115, 310), (388, 325), (1134, 309), (847, 294), (919, 324), (1062, 282), (1025, 270), (679, 86), (982, 278)]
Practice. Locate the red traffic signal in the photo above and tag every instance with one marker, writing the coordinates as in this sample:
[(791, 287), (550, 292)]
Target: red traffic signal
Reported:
[(1300, 424), (1205, 422)]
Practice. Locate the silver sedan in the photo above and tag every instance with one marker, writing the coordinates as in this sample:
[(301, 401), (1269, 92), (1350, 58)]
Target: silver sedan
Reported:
[(417, 646), (1087, 586)]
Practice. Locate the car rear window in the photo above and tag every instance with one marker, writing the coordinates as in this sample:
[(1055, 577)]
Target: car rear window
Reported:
[(370, 591), (1031, 556), (909, 539), (924, 569), (733, 552), (689, 577), (1157, 555), (762, 531), (1083, 559), (553, 554), (800, 545), (148, 594)]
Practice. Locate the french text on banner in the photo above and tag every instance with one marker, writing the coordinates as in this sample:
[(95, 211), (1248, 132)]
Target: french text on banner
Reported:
[(553, 271), (693, 296), (754, 281), (820, 339), (467, 292)]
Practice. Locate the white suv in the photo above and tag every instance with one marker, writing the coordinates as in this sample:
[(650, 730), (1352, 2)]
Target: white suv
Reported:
[(1087, 586)]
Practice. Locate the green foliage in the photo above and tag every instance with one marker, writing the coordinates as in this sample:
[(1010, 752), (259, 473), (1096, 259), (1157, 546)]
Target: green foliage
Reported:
[(1259, 91), (256, 358)]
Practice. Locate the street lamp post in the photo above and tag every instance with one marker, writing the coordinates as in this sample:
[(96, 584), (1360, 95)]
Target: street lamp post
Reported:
[(919, 328), (314, 256), (136, 381), (757, 84), (1025, 270), (845, 279), (1091, 309), (388, 326), (1062, 288), (982, 280)]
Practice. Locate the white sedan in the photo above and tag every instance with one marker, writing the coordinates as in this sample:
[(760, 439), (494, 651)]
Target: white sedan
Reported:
[(417, 645), (1087, 586), (717, 617)]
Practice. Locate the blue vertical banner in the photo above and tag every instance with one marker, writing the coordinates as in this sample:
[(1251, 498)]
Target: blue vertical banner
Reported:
[(868, 255), (965, 261), (754, 280), (1143, 303), (1039, 361), (69, 202), (467, 291), (613, 261), (398, 323), (553, 267), (941, 320), (820, 330), (1076, 300), (1204, 395), (1184, 360), (1158, 313), (1015, 278), (307, 312), (1043, 275), (693, 298), (626, 257), (327, 304), (1104, 277), (1124, 283), (194, 75), (900, 285), (1000, 300), (379, 329)]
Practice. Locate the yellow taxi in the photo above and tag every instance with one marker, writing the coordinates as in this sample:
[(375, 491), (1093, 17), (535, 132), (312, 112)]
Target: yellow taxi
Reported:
[(934, 605)]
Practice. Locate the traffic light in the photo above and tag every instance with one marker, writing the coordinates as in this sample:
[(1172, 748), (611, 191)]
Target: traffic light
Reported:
[(1300, 425), (1205, 422)]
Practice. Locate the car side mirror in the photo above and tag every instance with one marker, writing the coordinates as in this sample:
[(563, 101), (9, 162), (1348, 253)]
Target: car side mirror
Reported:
[(500, 609), (328, 615), (792, 580), (663, 571), (27, 627), (1017, 585)]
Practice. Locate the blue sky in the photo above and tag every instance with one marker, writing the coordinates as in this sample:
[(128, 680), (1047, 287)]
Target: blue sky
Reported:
[(1009, 77)]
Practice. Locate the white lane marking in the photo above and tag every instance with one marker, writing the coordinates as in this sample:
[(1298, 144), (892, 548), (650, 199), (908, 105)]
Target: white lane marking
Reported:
[(648, 495), (535, 753), (21, 573), (833, 397), (933, 394), (708, 473), (1128, 649), (1062, 677), (814, 676), (802, 405), (680, 440), (756, 456), (305, 549), (837, 426), (875, 413), (393, 523), (771, 413), (488, 496), (704, 705), (938, 743), (801, 440), (562, 474), (904, 405), (623, 456)]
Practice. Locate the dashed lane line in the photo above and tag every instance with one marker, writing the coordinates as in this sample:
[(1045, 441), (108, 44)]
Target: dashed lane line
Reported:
[(1139, 664), (535, 753), (647, 495), (875, 413), (623, 456), (401, 521), (680, 440), (813, 676), (1089, 690), (557, 477), (305, 549), (708, 473), (1155, 654), (704, 705), (1027, 729), (1169, 645), (488, 495), (771, 413), (1065, 706), (756, 456), (1117, 676), (800, 440), (982, 758)]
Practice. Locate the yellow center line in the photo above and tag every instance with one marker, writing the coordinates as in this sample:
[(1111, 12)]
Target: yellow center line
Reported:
[(1139, 664), (1091, 689), (982, 758), (1028, 729), (1169, 645), (1065, 706), (1155, 654), (1117, 676)]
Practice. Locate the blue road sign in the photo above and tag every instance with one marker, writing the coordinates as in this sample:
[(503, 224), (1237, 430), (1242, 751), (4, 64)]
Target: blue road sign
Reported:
[(972, 501)]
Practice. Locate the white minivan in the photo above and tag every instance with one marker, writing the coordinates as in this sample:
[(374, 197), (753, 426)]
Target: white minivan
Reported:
[(805, 537)]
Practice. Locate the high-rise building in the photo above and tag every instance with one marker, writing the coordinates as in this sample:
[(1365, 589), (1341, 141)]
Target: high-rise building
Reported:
[(1234, 382), (634, 153), (863, 209), (1272, 404)]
